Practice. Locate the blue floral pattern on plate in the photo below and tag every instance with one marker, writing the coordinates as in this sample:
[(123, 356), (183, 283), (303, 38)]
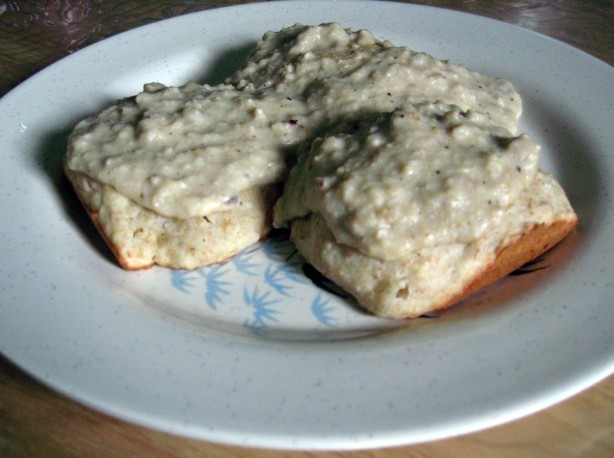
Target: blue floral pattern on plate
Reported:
[(270, 289), (270, 275)]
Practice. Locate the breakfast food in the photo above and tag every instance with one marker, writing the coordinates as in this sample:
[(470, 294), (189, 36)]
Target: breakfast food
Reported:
[(140, 237), (403, 180), (412, 210), (182, 156), (340, 73), (183, 176)]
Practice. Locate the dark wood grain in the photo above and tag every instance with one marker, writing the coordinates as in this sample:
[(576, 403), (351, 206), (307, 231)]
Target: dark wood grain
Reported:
[(36, 34), (587, 25)]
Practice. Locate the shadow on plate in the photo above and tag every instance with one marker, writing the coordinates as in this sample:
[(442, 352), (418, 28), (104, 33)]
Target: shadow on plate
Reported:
[(225, 64), (51, 157), (572, 160)]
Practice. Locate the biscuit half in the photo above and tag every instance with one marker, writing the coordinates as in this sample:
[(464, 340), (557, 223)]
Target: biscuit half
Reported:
[(140, 238), (432, 278)]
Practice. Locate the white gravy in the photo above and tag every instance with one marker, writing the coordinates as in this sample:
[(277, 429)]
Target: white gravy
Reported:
[(187, 151)]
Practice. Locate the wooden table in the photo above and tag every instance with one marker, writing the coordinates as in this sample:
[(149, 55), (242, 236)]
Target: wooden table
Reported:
[(35, 421)]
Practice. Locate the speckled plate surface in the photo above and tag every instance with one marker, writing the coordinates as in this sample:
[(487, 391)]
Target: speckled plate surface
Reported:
[(261, 351)]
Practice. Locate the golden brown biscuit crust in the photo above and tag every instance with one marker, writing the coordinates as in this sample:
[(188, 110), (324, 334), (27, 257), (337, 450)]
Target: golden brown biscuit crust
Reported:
[(526, 247)]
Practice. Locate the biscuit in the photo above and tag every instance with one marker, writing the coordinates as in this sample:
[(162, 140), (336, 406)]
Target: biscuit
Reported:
[(140, 238), (187, 176), (413, 210), (432, 278)]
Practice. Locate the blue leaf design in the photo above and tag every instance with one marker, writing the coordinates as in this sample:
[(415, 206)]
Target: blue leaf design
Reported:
[(293, 270), (275, 276), (261, 305), (288, 261), (246, 297), (214, 285), (322, 311), (243, 264), (182, 280), (255, 328), (278, 247)]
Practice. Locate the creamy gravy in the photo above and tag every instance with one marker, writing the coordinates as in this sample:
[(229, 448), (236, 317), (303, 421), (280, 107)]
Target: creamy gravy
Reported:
[(187, 151), (424, 175), (346, 73)]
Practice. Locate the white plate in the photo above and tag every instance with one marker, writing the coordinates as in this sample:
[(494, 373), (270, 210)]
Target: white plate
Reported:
[(254, 353)]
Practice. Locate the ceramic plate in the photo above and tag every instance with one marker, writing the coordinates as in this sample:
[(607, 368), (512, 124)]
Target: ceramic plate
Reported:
[(262, 351)]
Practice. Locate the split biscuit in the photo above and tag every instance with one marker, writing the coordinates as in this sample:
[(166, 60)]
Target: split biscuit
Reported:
[(412, 211), (140, 238), (428, 280)]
